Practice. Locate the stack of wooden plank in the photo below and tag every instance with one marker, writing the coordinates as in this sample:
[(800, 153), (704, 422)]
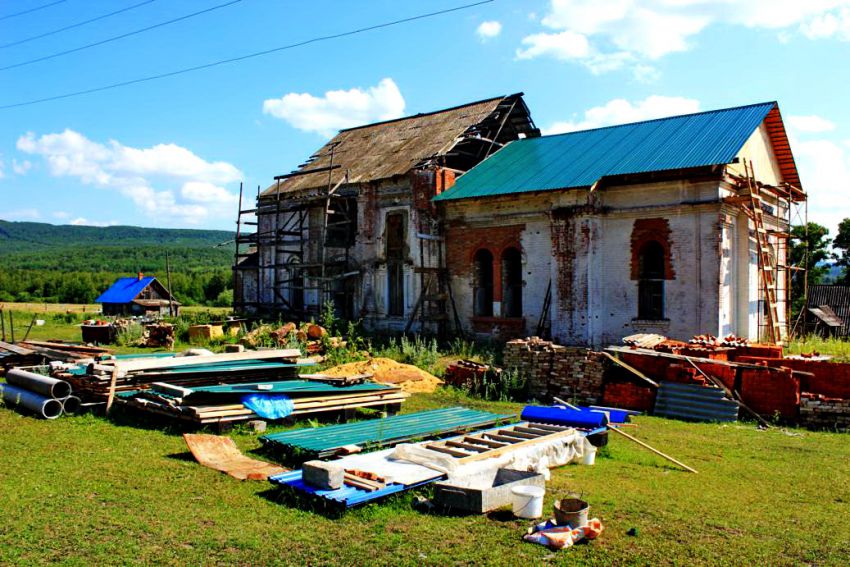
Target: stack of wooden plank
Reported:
[(205, 405), (129, 373)]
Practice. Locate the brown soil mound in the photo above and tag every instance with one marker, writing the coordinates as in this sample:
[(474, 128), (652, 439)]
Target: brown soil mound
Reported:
[(387, 371)]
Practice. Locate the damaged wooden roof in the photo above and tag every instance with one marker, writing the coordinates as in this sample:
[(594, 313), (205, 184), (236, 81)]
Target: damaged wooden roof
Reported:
[(387, 149)]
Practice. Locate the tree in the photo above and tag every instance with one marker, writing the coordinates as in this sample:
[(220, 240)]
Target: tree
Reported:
[(841, 245), (809, 247)]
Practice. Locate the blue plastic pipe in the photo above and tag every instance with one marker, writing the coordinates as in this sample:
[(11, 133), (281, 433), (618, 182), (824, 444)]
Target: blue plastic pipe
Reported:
[(564, 416)]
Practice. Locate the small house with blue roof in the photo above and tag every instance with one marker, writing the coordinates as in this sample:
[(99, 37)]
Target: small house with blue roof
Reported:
[(139, 295)]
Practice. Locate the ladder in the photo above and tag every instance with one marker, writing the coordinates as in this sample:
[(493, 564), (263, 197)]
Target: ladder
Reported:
[(767, 261)]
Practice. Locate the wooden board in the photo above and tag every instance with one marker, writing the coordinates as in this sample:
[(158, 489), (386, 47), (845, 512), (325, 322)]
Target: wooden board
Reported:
[(222, 454)]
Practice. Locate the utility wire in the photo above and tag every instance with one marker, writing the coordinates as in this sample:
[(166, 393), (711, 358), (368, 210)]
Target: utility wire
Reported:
[(78, 24), (42, 7), (244, 57), (117, 37)]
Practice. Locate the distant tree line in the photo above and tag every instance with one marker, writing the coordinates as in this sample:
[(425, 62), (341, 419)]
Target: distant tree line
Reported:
[(210, 287), (75, 264)]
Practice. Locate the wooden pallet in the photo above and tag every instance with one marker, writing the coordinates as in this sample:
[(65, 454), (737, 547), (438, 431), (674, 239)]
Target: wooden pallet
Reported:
[(495, 442)]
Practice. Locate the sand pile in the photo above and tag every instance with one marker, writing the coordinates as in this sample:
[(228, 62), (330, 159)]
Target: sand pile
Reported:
[(387, 371)]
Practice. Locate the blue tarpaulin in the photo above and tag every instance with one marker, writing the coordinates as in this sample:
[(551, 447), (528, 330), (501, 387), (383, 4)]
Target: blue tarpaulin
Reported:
[(269, 406)]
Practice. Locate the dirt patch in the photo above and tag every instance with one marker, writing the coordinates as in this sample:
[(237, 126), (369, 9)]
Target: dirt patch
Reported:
[(387, 371)]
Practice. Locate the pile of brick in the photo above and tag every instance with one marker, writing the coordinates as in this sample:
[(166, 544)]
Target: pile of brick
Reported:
[(629, 395), (821, 412), (573, 373), (466, 374)]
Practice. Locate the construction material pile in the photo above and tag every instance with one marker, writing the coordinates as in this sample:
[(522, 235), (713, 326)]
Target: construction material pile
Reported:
[(36, 353), (386, 371), (556, 370), (123, 373), (347, 438), (40, 395), (204, 405)]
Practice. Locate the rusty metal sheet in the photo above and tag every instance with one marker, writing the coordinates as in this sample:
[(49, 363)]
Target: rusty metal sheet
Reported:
[(222, 454)]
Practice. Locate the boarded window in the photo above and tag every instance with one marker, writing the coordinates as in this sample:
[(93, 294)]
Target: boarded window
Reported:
[(651, 281), (483, 283), (396, 250), (512, 283)]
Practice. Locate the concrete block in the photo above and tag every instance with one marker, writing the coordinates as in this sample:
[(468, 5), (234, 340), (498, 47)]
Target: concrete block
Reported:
[(320, 474)]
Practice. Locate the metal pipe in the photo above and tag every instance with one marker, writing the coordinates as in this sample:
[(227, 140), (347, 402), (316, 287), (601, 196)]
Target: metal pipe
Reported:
[(71, 405), (48, 408), (43, 385)]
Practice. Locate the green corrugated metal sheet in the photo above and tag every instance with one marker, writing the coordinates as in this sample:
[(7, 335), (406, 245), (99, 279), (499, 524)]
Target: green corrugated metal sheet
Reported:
[(378, 432), (579, 159)]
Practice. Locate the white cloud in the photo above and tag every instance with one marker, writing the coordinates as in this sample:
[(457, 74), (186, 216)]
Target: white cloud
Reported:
[(20, 215), (80, 221), (166, 182), (338, 109), (824, 168), (21, 167), (810, 123), (565, 45), (488, 30), (640, 31), (621, 111)]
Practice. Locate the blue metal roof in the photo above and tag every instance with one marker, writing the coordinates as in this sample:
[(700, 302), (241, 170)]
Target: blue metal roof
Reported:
[(580, 159), (124, 290)]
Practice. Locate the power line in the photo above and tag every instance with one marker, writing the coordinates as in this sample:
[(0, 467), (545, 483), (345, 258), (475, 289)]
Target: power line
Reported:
[(78, 24), (37, 8), (117, 37), (244, 57)]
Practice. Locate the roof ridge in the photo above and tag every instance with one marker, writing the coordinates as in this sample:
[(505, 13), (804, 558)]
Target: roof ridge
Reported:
[(421, 114), (610, 126)]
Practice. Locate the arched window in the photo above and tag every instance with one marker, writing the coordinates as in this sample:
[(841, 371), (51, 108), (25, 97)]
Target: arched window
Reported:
[(651, 281), (482, 272), (512, 283)]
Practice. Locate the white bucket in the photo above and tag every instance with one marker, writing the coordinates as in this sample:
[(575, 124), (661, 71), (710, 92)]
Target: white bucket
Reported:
[(589, 456), (528, 501)]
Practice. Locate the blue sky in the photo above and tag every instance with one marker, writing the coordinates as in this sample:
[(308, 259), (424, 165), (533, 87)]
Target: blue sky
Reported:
[(172, 152)]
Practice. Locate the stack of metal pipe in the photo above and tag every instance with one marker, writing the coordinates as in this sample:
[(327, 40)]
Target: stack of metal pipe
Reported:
[(44, 396)]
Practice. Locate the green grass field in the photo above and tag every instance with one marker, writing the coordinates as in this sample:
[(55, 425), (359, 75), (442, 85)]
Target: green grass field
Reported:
[(85, 490)]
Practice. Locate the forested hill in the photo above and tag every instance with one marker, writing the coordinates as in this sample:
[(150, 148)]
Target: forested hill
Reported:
[(32, 245), (74, 264)]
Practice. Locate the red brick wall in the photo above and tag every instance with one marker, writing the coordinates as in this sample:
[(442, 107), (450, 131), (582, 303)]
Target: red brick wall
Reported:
[(463, 241), (769, 392), (831, 379)]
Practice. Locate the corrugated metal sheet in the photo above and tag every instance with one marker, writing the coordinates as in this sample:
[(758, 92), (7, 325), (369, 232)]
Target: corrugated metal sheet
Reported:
[(579, 159), (379, 432), (837, 297), (124, 290), (693, 402)]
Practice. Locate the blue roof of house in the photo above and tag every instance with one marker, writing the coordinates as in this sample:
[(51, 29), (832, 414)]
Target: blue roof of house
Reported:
[(124, 290), (580, 159)]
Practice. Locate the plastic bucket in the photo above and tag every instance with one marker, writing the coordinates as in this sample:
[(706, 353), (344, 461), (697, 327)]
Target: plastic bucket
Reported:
[(571, 512), (589, 456), (527, 501)]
